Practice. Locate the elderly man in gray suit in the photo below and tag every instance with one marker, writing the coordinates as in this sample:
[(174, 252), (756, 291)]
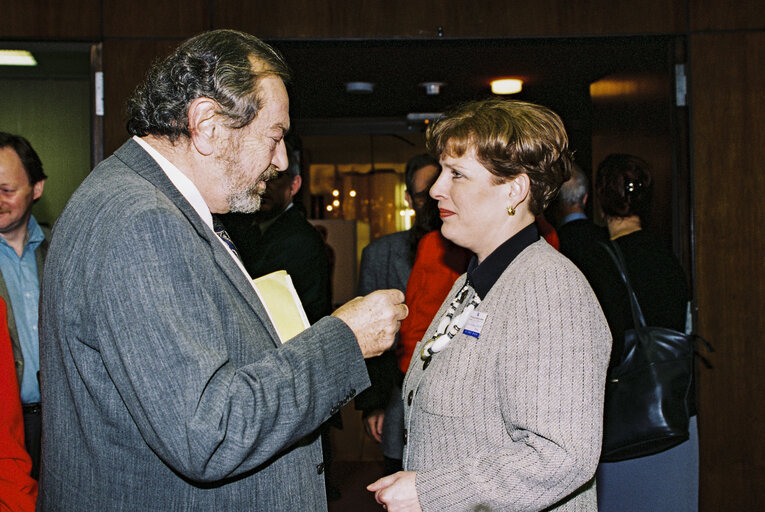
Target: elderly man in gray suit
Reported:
[(165, 385)]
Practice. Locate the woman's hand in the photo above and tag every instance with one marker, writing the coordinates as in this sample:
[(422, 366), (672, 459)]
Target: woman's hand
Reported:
[(397, 492)]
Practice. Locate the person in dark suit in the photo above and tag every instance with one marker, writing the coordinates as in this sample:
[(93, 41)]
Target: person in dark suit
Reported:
[(278, 237), (164, 383), (578, 235), (23, 246)]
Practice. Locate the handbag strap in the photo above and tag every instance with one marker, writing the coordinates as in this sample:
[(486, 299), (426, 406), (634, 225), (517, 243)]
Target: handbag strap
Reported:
[(616, 254)]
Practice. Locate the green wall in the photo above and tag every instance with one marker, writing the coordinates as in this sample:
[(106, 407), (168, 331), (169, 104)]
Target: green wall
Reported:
[(54, 115)]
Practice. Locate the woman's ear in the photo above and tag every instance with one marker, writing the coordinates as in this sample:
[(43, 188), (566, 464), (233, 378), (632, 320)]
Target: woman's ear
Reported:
[(204, 124), (520, 187)]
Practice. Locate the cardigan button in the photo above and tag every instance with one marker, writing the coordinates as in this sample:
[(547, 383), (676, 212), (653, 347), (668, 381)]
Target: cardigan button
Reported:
[(410, 397), (426, 363), (406, 436), (320, 468)]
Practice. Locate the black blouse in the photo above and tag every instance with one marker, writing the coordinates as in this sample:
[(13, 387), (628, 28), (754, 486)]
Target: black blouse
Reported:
[(482, 277)]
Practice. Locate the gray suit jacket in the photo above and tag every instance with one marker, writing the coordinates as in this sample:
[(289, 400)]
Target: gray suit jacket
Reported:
[(384, 264), (164, 385), (18, 358), (513, 420)]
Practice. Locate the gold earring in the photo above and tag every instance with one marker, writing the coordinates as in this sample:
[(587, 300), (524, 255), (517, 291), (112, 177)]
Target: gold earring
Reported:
[(511, 210)]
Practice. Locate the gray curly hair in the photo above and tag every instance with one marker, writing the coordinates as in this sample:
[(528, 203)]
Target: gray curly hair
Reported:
[(223, 65)]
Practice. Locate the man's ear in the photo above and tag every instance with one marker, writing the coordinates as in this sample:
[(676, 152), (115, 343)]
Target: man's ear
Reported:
[(37, 190), (409, 200), (297, 182), (204, 124)]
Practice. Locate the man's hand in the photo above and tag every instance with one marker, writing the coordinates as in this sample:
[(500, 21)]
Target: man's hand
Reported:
[(397, 492), (373, 424), (374, 319)]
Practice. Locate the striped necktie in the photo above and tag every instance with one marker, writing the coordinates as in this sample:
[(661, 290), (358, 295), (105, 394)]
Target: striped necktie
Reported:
[(220, 230)]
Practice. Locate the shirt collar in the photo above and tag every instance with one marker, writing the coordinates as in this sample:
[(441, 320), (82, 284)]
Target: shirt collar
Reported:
[(573, 216), (482, 277), (184, 185), (36, 234), (268, 223)]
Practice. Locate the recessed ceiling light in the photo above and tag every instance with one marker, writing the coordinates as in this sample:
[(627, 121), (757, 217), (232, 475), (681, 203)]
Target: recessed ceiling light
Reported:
[(432, 88), (16, 58), (506, 86), (359, 87)]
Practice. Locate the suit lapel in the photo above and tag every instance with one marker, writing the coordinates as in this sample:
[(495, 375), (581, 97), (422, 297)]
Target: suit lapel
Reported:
[(144, 165)]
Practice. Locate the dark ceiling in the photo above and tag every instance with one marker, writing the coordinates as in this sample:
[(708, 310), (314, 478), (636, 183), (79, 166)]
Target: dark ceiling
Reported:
[(554, 71)]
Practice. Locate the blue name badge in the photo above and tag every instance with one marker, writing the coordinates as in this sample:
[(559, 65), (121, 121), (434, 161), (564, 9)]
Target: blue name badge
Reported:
[(474, 324)]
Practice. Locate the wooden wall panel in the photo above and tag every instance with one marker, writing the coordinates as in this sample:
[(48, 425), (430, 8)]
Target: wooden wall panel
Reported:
[(50, 19), (728, 108), (125, 65), (718, 15), (152, 18), (482, 18)]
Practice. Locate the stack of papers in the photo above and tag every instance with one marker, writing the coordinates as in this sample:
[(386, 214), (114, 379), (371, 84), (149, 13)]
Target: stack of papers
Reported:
[(278, 295)]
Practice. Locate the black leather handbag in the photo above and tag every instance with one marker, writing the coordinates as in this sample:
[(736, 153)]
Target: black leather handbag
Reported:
[(649, 394)]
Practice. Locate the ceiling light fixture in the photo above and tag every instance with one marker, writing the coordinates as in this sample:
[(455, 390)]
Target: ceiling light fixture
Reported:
[(16, 58), (359, 87), (423, 117), (432, 88), (506, 86)]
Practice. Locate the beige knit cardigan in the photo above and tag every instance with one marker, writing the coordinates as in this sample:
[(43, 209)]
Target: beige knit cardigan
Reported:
[(513, 420)]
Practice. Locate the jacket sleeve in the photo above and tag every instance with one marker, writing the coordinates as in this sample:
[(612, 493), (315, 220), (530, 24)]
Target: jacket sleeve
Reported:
[(172, 332)]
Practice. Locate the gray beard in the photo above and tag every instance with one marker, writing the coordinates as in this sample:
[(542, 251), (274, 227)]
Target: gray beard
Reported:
[(245, 201)]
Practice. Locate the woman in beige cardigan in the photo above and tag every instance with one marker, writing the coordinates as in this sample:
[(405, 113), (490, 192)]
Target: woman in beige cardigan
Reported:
[(504, 396)]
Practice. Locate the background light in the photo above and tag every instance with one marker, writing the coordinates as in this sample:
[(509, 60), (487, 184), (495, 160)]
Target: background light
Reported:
[(16, 58), (506, 86)]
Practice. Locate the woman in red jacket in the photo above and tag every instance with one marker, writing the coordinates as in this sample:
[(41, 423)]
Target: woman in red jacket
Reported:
[(18, 490)]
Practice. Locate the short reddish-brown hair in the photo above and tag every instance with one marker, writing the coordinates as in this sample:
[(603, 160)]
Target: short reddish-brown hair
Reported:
[(509, 138)]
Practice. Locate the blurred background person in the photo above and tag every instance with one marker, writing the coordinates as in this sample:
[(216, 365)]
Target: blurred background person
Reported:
[(23, 248), (503, 398), (667, 481), (438, 263), (578, 235), (386, 263), (278, 237)]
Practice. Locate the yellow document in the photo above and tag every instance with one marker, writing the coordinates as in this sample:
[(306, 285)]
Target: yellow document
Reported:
[(278, 295)]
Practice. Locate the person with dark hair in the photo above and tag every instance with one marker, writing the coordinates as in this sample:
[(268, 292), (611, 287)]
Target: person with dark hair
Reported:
[(623, 187), (387, 263), (23, 247), (165, 384), (503, 398), (278, 237)]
